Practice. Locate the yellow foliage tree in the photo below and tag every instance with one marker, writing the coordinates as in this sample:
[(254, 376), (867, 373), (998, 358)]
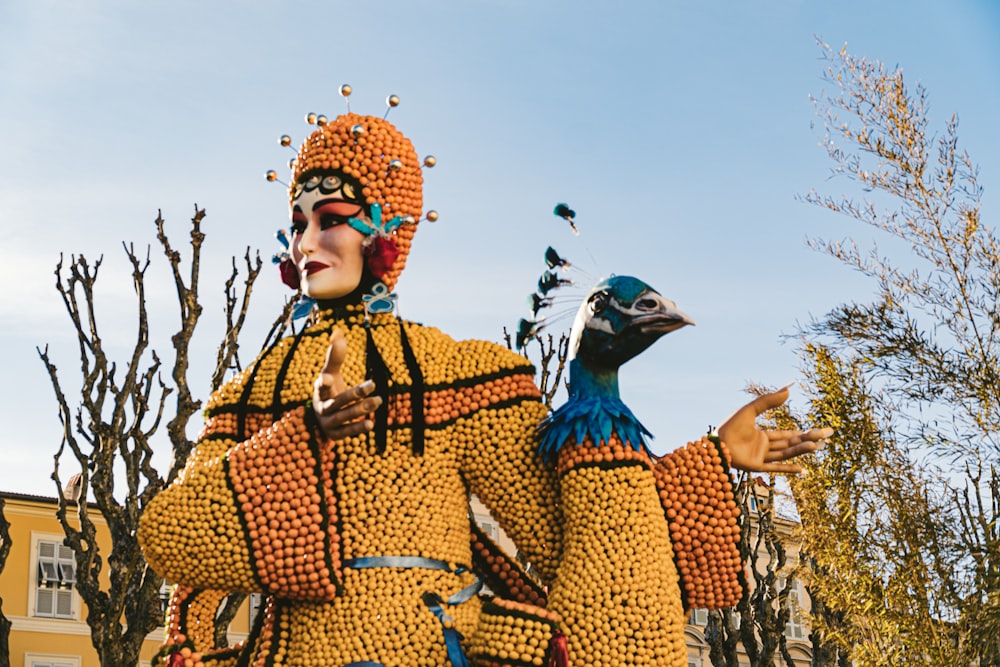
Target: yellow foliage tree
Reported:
[(900, 512)]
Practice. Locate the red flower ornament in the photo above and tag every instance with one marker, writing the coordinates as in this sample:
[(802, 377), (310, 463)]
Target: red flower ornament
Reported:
[(380, 254)]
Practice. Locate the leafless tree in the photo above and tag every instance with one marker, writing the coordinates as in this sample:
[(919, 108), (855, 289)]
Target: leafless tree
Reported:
[(109, 426), (4, 621), (550, 352), (757, 623)]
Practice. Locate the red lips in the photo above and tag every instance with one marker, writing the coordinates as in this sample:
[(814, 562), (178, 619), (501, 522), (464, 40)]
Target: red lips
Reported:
[(313, 267)]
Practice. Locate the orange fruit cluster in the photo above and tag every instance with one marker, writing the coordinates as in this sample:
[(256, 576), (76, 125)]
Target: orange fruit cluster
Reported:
[(612, 452), (696, 492), (512, 633), (224, 423), (501, 466), (199, 609), (377, 155), (379, 617), (449, 404), (389, 503), (199, 539), (274, 476), (264, 641), (502, 574), (191, 658), (616, 590), (396, 503)]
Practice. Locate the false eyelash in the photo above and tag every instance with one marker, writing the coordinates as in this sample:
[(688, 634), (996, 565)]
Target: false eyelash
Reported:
[(328, 220)]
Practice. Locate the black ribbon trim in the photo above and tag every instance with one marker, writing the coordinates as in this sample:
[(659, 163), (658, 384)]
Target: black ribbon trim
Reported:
[(378, 372), (279, 381), (417, 423), (241, 516), (611, 465), (316, 440), (396, 390)]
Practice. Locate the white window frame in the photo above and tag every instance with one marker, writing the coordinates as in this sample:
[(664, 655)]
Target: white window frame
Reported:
[(699, 617), (33, 588), (255, 605), (166, 591), (51, 660), (796, 627), (489, 528)]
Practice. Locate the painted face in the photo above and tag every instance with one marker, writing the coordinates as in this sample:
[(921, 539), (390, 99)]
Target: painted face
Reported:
[(325, 249)]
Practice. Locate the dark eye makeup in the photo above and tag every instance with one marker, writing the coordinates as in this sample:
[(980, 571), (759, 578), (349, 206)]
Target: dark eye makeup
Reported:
[(328, 220)]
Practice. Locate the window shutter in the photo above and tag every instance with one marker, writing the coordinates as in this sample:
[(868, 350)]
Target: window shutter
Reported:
[(45, 602), (64, 604)]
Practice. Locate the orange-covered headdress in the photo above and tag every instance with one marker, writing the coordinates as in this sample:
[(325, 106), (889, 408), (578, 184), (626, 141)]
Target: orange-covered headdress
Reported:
[(377, 156)]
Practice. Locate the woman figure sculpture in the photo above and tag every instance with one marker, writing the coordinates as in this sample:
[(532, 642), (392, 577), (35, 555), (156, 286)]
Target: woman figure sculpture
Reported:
[(333, 475)]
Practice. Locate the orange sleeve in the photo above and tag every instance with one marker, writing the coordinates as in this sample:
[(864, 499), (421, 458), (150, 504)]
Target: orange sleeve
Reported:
[(283, 484), (697, 495)]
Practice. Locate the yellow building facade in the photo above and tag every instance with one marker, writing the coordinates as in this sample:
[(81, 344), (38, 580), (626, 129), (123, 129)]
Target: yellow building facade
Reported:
[(48, 616)]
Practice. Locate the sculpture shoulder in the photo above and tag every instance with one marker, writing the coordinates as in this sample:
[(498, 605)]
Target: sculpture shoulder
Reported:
[(263, 370), (447, 361)]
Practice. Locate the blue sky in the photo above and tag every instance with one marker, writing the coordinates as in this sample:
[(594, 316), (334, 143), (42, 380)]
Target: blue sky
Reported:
[(679, 131)]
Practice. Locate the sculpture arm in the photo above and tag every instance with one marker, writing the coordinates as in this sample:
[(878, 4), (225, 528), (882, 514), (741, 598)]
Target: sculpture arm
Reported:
[(501, 463), (249, 517), (697, 495)]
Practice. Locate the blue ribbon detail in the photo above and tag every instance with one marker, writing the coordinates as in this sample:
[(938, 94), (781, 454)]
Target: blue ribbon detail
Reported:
[(400, 562), (452, 637), (303, 307)]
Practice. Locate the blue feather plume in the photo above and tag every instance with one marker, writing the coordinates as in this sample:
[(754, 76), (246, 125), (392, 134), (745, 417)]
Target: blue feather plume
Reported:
[(596, 416)]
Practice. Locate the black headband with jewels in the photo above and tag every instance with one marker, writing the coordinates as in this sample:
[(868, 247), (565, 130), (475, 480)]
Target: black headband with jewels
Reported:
[(331, 183)]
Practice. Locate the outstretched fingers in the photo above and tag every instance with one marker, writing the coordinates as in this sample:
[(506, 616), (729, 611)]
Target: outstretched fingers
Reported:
[(769, 401), (341, 416), (347, 397), (781, 468), (783, 445)]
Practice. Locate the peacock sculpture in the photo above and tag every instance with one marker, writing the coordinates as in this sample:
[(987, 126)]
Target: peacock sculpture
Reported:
[(630, 524)]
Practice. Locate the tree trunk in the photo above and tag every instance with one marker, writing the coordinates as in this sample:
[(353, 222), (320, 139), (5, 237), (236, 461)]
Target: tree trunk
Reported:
[(106, 436), (4, 621)]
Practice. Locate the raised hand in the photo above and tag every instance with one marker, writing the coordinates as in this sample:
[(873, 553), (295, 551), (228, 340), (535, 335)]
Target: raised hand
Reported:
[(341, 411), (755, 450)]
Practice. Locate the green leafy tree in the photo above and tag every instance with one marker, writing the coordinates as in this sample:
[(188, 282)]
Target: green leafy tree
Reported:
[(900, 512), (880, 532)]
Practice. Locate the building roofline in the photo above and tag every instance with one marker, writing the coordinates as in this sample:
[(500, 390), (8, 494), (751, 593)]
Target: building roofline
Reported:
[(31, 498)]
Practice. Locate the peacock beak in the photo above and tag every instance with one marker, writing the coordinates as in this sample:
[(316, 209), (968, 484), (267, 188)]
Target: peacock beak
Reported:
[(659, 319)]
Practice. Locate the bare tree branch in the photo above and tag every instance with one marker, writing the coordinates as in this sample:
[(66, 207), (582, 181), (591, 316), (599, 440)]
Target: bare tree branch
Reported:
[(108, 436), (5, 623)]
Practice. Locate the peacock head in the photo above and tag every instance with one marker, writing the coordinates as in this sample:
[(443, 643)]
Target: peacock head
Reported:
[(620, 318)]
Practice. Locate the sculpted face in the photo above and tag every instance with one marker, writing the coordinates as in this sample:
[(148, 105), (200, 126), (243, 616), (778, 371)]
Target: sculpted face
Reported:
[(325, 249)]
